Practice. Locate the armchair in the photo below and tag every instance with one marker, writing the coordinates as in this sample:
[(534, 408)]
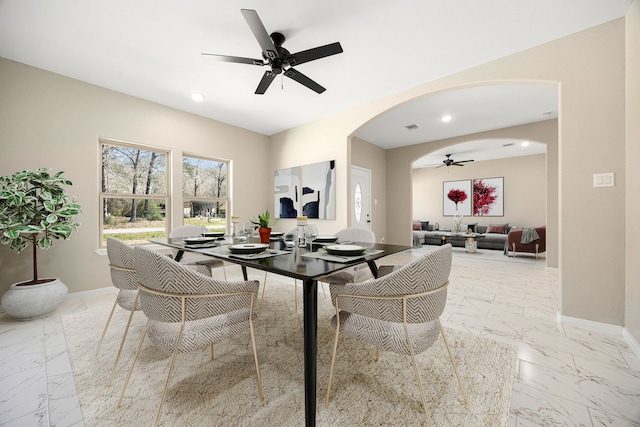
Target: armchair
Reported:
[(398, 312), (515, 244)]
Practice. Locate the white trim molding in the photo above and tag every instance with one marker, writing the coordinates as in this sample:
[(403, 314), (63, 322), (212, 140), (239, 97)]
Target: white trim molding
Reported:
[(605, 328), (633, 343)]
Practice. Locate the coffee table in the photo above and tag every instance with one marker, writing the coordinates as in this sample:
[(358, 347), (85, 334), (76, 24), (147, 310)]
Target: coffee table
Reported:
[(470, 244)]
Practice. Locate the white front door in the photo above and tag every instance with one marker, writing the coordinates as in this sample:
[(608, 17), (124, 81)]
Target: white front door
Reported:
[(360, 197)]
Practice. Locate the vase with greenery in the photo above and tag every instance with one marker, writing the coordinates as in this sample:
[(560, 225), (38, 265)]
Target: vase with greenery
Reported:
[(264, 223), (35, 209)]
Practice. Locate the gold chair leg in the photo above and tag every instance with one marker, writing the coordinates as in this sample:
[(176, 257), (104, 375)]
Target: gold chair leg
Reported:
[(295, 293), (255, 355), (417, 373), (224, 271), (124, 337), (135, 358), (537, 246), (264, 285), (171, 366), (213, 357), (333, 357), (377, 353), (446, 343), (104, 332)]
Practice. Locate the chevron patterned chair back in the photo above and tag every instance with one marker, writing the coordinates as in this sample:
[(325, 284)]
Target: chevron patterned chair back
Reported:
[(123, 277), (397, 312), (200, 263), (188, 310)]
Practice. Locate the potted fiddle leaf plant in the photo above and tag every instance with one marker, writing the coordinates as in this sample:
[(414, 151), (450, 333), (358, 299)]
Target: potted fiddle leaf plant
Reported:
[(264, 223), (35, 210)]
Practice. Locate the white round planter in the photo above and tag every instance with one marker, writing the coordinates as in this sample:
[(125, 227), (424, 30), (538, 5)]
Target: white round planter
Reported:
[(34, 301)]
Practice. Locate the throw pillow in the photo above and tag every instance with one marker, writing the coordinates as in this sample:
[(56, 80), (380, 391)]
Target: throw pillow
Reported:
[(417, 225), (472, 227), (425, 225), (497, 228)]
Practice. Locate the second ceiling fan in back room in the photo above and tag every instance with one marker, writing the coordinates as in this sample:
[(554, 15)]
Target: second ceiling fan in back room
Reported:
[(450, 162), (277, 57)]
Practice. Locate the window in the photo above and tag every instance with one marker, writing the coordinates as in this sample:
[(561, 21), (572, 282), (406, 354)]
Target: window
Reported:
[(204, 192), (134, 194)]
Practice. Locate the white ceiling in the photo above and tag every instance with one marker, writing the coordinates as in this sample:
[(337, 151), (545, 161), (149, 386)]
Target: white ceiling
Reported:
[(152, 49)]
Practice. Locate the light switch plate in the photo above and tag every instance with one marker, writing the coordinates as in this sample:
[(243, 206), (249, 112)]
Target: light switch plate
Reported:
[(603, 179)]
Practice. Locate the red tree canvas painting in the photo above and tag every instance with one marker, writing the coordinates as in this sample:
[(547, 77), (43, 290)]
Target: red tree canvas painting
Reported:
[(456, 197), (488, 197)]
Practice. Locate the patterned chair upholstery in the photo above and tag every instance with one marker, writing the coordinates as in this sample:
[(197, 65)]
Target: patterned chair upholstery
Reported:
[(359, 272), (123, 277), (187, 310), (398, 312), (200, 263)]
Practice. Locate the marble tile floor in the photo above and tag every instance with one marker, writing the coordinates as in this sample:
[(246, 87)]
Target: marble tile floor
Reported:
[(566, 376)]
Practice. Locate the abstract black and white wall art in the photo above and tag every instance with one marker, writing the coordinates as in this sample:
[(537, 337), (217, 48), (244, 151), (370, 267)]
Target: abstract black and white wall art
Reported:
[(319, 190), (287, 192)]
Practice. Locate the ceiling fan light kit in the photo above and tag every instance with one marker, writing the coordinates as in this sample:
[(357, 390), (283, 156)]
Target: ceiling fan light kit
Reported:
[(279, 59)]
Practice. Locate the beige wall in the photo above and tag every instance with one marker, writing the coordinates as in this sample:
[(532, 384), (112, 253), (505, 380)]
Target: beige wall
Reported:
[(632, 299), (588, 68), (374, 158), (524, 190), (52, 121)]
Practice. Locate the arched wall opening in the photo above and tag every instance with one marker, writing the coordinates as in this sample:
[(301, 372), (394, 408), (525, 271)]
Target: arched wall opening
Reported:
[(398, 163)]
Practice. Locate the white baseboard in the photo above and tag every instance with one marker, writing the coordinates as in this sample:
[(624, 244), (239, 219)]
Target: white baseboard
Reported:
[(91, 292), (633, 343), (605, 328)]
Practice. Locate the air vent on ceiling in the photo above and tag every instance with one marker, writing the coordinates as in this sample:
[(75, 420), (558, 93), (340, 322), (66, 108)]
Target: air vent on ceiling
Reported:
[(509, 144), (411, 127)]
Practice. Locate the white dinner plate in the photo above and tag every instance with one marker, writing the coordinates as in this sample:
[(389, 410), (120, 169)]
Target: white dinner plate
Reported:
[(345, 250), (248, 248), (277, 233), (325, 239), (198, 240), (216, 234)]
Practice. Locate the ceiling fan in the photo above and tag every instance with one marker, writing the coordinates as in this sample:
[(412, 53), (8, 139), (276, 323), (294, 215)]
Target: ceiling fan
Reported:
[(277, 57), (450, 162)]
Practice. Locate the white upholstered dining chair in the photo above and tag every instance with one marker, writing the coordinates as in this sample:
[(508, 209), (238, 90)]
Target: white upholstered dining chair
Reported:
[(360, 272), (201, 263), (188, 311), (397, 312)]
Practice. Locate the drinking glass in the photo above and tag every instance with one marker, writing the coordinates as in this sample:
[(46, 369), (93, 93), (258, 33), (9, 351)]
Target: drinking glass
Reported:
[(290, 240)]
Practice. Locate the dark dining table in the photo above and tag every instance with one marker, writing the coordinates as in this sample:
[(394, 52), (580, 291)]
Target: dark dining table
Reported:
[(308, 269)]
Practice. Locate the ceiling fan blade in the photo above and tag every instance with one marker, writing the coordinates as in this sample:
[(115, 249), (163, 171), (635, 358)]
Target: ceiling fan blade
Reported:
[(463, 161), (212, 57), (456, 164), (315, 53), (260, 33), (304, 80), (267, 78)]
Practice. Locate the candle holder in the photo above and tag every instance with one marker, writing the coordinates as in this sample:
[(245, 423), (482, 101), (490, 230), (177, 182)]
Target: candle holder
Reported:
[(302, 237)]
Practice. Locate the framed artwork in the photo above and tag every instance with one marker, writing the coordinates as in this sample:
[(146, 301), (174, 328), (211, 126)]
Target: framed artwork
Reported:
[(319, 190), (456, 197), (287, 192), (488, 197)]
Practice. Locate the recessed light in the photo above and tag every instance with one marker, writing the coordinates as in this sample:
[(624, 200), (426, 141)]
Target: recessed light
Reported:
[(198, 97), (524, 144), (446, 118)]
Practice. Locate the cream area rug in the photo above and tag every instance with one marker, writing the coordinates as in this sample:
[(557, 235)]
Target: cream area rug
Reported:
[(223, 392)]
